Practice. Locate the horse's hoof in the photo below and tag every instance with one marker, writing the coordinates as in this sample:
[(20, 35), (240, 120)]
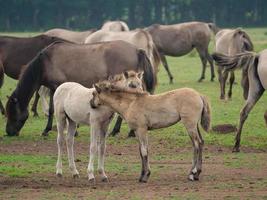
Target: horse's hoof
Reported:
[(113, 133), (104, 179), (171, 81), (200, 80), (191, 177), (76, 134), (75, 176), (91, 181), (142, 180), (45, 134), (59, 175), (235, 150)]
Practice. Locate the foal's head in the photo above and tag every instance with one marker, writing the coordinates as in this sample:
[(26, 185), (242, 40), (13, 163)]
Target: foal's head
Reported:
[(129, 79)]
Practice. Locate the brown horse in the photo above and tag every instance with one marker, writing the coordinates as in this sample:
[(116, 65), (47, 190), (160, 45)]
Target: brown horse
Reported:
[(67, 62), (231, 42), (16, 52), (73, 36), (179, 39)]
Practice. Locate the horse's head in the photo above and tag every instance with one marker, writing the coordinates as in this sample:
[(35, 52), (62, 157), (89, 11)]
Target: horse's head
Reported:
[(16, 116)]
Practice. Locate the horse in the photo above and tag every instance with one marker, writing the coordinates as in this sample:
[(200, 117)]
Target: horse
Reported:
[(140, 39), (16, 52), (180, 39), (73, 36), (116, 26), (68, 62), (71, 104), (254, 81), (144, 112), (230, 42)]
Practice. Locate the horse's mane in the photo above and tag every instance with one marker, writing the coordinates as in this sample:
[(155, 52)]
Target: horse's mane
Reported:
[(116, 89)]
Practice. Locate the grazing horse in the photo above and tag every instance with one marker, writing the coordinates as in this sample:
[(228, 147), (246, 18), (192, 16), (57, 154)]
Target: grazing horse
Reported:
[(67, 62), (230, 42), (16, 52), (115, 26), (180, 39), (140, 39), (71, 103), (143, 112), (254, 81), (73, 36)]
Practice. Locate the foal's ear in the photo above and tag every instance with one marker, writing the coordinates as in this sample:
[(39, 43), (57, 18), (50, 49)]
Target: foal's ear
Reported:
[(126, 74), (97, 88)]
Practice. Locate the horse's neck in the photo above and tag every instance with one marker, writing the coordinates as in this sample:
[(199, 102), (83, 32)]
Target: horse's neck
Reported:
[(119, 102)]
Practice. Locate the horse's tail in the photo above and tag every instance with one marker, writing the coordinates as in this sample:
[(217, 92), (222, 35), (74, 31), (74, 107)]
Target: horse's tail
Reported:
[(206, 114), (241, 60), (215, 29), (150, 77)]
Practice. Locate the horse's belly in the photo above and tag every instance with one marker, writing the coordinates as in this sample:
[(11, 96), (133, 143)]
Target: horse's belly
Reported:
[(163, 120), (262, 71)]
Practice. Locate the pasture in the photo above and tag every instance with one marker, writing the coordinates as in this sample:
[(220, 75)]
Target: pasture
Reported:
[(27, 162)]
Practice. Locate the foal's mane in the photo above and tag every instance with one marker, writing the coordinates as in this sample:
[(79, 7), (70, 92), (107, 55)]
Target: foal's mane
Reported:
[(116, 89)]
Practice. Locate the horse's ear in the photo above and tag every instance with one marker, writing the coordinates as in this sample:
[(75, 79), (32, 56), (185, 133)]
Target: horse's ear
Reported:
[(126, 74), (97, 88), (140, 74)]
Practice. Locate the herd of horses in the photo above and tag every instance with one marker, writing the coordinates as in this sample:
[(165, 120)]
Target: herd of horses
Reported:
[(93, 74)]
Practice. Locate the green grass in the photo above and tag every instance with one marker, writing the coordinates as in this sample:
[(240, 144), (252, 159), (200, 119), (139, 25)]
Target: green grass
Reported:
[(186, 71)]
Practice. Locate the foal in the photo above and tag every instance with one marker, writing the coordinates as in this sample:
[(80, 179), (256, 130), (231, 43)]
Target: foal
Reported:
[(72, 107), (144, 112)]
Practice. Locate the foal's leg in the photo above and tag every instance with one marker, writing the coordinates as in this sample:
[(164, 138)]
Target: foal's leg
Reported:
[(70, 141), (166, 66), (254, 96), (93, 151), (231, 81), (197, 142), (102, 149), (50, 117), (61, 123), (141, 133)]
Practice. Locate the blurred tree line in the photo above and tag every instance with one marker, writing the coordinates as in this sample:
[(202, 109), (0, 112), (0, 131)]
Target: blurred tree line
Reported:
[(29, 15)]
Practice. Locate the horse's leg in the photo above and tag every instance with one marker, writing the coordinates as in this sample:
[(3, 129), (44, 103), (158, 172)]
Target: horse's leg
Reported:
[(166, 66), (143, 148), (35, 103), (61, 123), (210, 60), (102, 150), (70, 141), (131, 133), (202, 55), (253, 97), (223, 80), (93, 151), (117, 126), (197, 142), (231, 81), (50, 116), (2, 75)]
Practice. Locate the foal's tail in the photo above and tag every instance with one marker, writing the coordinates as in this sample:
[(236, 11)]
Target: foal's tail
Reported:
[(206, 114), (241, 60), (150, 77)]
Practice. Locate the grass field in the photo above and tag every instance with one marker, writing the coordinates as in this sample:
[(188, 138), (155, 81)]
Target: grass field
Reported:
[(27, 162)]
